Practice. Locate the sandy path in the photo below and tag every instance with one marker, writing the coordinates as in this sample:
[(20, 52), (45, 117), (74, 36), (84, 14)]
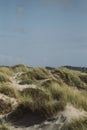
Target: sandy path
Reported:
[(16, 84)]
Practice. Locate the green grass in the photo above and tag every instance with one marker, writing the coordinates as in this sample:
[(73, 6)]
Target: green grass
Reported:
[(23, 82)]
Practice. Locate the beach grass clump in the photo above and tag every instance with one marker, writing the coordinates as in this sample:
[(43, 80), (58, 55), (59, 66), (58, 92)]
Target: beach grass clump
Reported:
[(6, 70), (73, 96), (9, 90), (78, 124), (4, 78), (35, 74), (19, 68), (5, 106), (71, 78), (23, 82)]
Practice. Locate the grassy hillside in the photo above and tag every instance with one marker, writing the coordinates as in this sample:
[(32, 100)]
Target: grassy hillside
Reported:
[(44, 91)]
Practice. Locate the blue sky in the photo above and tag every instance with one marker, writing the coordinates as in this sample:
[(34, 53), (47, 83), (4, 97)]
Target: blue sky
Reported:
[(43, 32)]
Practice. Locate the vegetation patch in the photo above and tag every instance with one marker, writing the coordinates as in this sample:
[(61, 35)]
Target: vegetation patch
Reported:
[(35, 74), (70, 78), (5, 106), (55, 89), (23, 82), (19, 68), (6, 70), (8, 90), (4, 78), (80, 124), (83, 78), (38, 101), (3, 125), (73, 96)]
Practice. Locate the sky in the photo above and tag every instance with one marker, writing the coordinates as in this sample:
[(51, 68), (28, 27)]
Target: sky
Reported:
[(43, 32)]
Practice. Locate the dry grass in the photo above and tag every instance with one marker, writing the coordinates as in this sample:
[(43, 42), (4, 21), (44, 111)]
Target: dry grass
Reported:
[(19, 68), (80, 124), (4, 78), (73, 96), (4, 125), (35, 74), (8, 90), (6, 71), (5, 106), (70, 77), (39, 100), (51, 96), (68, 94)]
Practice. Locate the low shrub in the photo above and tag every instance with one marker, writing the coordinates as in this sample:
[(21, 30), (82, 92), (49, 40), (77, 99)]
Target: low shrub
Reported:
[(25, 82)]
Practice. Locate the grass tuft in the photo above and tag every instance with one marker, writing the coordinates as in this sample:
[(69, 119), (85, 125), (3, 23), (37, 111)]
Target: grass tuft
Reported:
[(4, 125), (4, 78), (5, 106), (80, 124), (8, 90)]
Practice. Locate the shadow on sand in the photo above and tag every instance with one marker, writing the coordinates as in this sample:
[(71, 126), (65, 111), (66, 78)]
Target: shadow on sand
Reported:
[(26, 119)]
